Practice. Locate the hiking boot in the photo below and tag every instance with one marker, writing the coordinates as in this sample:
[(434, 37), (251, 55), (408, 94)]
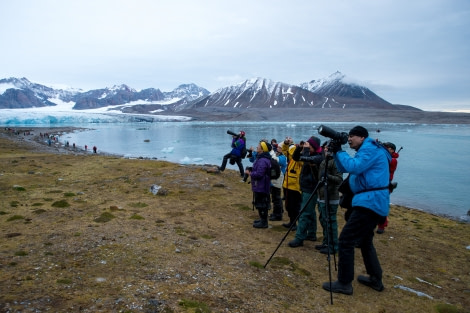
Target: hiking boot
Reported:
[(275, 218), (371, 281), (296, 243), (338, 287), (261, 224), (319, 247), (325, 250), (288, 225)]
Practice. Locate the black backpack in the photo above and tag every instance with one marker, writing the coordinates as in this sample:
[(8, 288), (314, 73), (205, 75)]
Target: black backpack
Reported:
[(244, 152), (275, 170)]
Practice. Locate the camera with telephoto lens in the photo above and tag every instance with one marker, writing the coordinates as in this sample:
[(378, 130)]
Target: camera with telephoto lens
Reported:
[(250, 153), (336, 137), (232, 133), (245, 177)]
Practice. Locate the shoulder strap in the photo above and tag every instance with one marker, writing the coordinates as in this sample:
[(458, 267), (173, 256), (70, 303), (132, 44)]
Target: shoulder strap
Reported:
[(372, 189)]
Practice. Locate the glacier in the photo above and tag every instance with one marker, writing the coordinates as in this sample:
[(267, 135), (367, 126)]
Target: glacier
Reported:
[(64, 114)]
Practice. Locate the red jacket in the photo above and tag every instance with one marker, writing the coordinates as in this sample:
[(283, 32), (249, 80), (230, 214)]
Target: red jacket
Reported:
[(393, 164)]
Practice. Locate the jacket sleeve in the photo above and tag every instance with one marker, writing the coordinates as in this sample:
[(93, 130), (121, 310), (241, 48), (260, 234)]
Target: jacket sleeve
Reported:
[(297, 153), (315, 159)]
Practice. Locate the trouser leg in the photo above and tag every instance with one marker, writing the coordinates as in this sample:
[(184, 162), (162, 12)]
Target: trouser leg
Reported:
[(308, 219), (359, 230), (329, 223), (277, 201), (369, 254), (262, 205), (293, 201), (224, 161), (240, 166)]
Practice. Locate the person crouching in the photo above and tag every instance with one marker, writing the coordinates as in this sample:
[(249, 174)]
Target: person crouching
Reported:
[(261, 182)]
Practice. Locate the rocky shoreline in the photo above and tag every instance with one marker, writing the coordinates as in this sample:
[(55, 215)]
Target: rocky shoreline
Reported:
[(35, 137)]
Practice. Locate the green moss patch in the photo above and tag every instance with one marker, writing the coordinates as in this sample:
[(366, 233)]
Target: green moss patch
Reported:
[(138, 205), (15, 217), (195, 306), (137, 217), (61, 204), (104, 217)]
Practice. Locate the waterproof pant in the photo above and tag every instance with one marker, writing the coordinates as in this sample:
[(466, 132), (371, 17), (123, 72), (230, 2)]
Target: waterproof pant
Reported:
[(293, 200), (277, 201), (328, 219), (237, 160), (307, 226), (358, 231), (261, 202)]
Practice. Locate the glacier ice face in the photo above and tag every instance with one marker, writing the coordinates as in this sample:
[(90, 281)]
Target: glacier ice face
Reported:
[(31, 117)]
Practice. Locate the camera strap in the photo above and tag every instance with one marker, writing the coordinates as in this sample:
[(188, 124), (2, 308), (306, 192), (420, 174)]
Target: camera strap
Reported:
[(372, 189)]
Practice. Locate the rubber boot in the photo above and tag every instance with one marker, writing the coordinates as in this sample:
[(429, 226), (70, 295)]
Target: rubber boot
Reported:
[(263, 222)]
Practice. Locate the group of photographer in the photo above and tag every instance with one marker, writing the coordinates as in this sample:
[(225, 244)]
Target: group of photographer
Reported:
[(310, 168)]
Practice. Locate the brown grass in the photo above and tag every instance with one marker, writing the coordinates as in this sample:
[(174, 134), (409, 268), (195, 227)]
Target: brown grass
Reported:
[(110, 245)]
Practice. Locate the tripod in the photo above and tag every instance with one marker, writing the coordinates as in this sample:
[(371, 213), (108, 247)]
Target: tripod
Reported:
[(322, 182)]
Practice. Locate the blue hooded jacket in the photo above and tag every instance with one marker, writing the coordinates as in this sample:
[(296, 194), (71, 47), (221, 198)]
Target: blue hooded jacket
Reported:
[(238, 143), (368, 169)]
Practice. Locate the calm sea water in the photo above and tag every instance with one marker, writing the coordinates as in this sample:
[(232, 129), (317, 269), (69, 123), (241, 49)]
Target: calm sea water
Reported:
[(433, 167)]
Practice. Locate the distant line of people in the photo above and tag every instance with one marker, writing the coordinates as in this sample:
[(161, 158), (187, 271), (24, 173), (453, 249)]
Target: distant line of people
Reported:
[(49, 138)]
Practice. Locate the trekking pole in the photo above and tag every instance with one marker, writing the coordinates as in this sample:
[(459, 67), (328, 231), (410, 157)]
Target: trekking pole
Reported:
[(295, 221)]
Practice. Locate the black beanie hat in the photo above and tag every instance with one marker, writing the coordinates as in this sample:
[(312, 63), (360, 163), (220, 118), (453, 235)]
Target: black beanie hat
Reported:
[(359, 131), (390, 145)]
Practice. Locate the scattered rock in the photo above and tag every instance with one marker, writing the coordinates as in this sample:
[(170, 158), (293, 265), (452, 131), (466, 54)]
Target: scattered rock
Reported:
[(11, 235)]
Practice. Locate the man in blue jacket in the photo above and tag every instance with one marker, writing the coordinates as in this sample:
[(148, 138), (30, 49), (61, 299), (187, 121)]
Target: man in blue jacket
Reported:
[(369, 179)]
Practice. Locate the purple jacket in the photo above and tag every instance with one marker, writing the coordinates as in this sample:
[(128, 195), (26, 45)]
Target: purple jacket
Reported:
[(260, 174)]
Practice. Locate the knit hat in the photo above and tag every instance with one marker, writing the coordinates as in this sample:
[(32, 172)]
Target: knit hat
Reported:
[(265, 146), (359, 131), (390, 145), (314, 142)]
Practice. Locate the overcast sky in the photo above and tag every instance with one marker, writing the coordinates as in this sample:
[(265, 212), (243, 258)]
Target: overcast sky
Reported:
[(414, 52)]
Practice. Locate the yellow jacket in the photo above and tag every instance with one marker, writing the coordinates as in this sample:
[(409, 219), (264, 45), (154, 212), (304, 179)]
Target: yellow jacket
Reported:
[(292, 176)]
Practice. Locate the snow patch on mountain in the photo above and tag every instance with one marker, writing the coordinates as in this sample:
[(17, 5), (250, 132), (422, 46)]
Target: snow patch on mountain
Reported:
[(5, 86)]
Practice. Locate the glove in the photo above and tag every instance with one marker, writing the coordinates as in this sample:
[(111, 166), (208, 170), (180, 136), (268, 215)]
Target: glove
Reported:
[(334, 146)]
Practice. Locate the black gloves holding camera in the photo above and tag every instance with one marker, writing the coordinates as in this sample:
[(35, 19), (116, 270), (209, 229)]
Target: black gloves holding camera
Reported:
[(334, 146)]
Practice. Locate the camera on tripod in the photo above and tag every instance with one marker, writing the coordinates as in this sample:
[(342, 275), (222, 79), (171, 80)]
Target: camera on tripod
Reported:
[(336, 137)]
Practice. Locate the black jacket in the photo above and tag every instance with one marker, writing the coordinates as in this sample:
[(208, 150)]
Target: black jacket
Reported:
[(309, 172)]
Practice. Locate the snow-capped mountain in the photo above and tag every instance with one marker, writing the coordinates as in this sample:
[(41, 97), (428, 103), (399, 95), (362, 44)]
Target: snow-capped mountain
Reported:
[(18, 93), (345, 94), (331, 92), (260, 93), (21, 93)]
